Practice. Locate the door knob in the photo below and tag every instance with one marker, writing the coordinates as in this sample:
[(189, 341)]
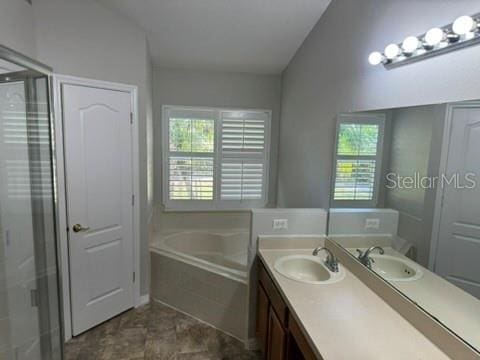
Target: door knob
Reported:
[(77, 228)]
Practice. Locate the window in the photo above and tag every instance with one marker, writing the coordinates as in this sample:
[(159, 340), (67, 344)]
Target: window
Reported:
[(357, 162), (215, 158)]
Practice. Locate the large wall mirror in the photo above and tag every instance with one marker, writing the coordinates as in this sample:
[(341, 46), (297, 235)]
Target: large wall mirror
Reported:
[(405, 202)]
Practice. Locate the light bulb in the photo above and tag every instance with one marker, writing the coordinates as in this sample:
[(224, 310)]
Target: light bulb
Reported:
[(410, 44), (375, 58), (392, 51), (434, 36), (464, 25)]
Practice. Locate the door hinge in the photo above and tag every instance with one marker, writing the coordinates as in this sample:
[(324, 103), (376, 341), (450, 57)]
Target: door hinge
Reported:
[(133, 200), (134, 276), (131, 118)]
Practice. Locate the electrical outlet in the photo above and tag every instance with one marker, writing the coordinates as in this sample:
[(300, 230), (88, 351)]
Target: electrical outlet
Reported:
[(280, 224), (373, 224)]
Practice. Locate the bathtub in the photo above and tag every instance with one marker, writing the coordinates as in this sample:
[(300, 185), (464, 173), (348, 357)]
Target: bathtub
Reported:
[(203, 274)]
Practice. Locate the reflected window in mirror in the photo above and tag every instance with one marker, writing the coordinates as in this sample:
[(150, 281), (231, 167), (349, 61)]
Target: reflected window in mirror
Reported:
[(422, 210), (358, 160)]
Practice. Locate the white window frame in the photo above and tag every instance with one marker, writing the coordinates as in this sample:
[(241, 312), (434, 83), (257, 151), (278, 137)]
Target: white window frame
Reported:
[(216, 204), (377, 119)]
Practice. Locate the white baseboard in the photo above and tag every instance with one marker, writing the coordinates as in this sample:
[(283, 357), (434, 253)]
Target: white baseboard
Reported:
[(144, 300)]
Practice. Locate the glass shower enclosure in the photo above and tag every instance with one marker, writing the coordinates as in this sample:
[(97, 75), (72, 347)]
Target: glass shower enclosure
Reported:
[(30, 326)]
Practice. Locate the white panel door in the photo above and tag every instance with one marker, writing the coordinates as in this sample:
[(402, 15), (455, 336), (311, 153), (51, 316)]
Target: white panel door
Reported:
[(458, 253), (98, 163)]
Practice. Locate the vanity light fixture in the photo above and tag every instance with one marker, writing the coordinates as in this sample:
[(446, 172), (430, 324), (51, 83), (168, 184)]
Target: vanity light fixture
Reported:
[(376, 58), (410, 45), (434, 36), (464, 25), (392, 51), (463, 32)]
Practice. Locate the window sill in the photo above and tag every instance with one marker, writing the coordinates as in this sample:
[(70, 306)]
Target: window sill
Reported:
[(241, 210)]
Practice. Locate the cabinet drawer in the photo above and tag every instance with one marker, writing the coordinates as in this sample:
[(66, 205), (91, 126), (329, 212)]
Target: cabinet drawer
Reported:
[(273, 294)]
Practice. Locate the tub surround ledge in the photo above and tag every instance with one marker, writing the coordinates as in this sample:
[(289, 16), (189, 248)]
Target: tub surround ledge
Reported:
[(203, 274), (340, 320)]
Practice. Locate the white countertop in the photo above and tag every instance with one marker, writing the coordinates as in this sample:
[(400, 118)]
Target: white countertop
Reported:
[(347, 320), (453, 307)]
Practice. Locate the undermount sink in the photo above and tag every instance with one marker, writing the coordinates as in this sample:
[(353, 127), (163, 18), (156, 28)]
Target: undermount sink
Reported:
[(395, 268), (308, 269)]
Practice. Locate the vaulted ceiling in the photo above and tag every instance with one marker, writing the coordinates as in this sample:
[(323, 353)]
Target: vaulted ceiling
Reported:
[(256, 36)]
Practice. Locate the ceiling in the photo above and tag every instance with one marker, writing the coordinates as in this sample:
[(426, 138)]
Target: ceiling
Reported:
[(255, 36)]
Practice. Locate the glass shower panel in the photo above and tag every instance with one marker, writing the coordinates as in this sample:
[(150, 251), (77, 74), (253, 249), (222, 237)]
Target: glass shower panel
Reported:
[(29, 307)]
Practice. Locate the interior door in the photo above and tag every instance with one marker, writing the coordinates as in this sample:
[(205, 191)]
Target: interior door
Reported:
[(98, 164), (458, 251)]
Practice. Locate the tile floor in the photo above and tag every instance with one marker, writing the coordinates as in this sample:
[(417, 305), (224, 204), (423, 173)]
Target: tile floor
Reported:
[(152, 332)]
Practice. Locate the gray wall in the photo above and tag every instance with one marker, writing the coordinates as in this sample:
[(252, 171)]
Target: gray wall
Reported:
[(16, 26), (415, 148), (330, 74), (216, 89), (410, 153), (83, 38)]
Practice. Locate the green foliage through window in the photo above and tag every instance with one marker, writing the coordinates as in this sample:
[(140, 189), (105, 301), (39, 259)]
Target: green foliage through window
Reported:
[(191, 178), (356, 163), (358, 139), (192, 135)]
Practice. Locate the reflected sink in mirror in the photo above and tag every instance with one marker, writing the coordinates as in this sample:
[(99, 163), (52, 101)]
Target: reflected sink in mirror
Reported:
[(307, 269), (394, 268), (388, 191)]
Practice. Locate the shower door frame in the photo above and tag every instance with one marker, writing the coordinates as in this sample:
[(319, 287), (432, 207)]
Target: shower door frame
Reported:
[(23, 61)]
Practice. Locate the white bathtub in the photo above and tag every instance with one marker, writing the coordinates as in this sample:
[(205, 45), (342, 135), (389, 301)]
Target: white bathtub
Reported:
[(204, 274), (223, 253)]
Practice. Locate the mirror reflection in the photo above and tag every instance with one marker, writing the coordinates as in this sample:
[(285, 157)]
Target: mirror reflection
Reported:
[(406, 204)]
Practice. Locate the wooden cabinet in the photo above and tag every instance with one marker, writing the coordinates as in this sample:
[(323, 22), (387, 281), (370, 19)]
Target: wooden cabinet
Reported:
[(278, 334), (277, 339), (299, 348), (263, 306)]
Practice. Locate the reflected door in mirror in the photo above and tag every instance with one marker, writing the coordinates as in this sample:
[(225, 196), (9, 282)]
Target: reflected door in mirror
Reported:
[(458, 253)]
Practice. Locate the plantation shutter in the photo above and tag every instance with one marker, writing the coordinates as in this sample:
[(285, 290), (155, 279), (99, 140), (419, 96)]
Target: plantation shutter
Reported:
[(355, 179), (244, 148), (358, 160), (215, 158), (190, 156), (26, 178)]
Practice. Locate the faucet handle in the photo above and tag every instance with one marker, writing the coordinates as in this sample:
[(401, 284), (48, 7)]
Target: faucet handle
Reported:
[(360, 253)]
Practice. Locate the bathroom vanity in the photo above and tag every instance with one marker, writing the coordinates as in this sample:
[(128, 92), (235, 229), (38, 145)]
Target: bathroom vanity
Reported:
[(316, 318), (278, 333)]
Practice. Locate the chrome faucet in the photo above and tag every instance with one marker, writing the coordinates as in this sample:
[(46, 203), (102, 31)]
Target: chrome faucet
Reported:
[(365, 258), (331, 261)]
